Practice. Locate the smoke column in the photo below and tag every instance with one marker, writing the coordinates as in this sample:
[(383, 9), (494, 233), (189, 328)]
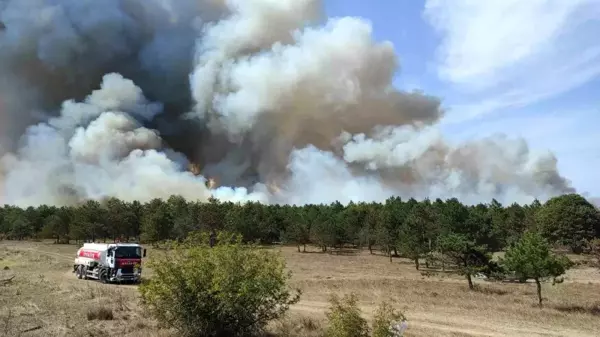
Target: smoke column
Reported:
[(270, 99)]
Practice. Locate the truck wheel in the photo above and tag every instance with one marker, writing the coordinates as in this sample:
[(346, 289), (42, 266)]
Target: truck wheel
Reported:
[(80, 272), (103, 275)]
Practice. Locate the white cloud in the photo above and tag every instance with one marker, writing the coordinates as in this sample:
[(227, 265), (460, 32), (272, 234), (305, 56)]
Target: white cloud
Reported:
[(512, 53)]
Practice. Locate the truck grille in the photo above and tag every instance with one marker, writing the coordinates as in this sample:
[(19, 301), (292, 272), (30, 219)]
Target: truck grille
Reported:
[(127, 270)]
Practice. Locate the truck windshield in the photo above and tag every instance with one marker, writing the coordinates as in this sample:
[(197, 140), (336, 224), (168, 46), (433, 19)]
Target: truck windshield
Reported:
[(129, 252)]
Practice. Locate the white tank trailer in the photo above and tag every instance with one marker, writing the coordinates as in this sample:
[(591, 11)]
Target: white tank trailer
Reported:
[(110, 262)]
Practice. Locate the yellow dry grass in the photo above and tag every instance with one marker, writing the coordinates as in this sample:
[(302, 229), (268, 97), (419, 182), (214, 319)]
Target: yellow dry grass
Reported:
[(47, 299)]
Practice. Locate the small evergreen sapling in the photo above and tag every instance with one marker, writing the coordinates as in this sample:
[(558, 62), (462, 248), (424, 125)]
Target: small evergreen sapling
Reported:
[(468, 257), (531, 258)]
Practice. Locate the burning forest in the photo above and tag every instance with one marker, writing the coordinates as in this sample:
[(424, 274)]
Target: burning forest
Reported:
[(259, 100)]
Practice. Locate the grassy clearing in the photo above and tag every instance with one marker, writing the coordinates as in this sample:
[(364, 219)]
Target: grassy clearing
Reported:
[(45, 299)]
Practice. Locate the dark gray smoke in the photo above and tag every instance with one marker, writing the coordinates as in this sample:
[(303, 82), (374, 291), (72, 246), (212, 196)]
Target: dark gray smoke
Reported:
[(269, 98)]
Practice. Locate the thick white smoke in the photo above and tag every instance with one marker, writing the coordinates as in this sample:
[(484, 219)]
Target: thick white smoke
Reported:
[(96, 149), (256, 92)]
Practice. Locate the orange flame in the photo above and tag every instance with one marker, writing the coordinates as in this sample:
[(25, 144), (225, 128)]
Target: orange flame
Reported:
[(194, 168), (273, 187), (211, 183)]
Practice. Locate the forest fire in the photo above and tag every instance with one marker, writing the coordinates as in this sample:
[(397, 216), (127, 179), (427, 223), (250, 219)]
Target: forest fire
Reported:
[(194, 168), (273, 187), (211, 183), (247, 106)]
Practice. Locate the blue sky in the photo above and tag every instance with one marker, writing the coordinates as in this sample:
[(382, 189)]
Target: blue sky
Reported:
[(528, 69)]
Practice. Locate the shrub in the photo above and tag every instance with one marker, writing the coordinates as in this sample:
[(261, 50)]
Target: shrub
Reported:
[(297, 327), (595, 250), (388, 322), (231, 289), (345, 318), (100, 313)]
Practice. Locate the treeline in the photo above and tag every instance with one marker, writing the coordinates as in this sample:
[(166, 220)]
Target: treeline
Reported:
[(408, 228)]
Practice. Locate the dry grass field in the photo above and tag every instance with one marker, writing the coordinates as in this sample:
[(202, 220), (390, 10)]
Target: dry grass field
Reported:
[(45, 299)]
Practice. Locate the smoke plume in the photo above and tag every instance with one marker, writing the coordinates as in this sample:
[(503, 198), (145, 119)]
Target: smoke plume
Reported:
[(269, 99)]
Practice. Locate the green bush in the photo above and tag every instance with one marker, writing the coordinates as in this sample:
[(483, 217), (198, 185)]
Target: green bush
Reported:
[(345, 318), (231, 289), (388, 322)]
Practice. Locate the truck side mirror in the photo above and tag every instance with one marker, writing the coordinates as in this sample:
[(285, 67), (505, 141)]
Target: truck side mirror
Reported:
[(144, 252)]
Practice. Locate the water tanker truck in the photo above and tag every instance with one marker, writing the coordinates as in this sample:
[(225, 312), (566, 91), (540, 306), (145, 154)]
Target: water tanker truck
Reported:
[(110, 262)]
